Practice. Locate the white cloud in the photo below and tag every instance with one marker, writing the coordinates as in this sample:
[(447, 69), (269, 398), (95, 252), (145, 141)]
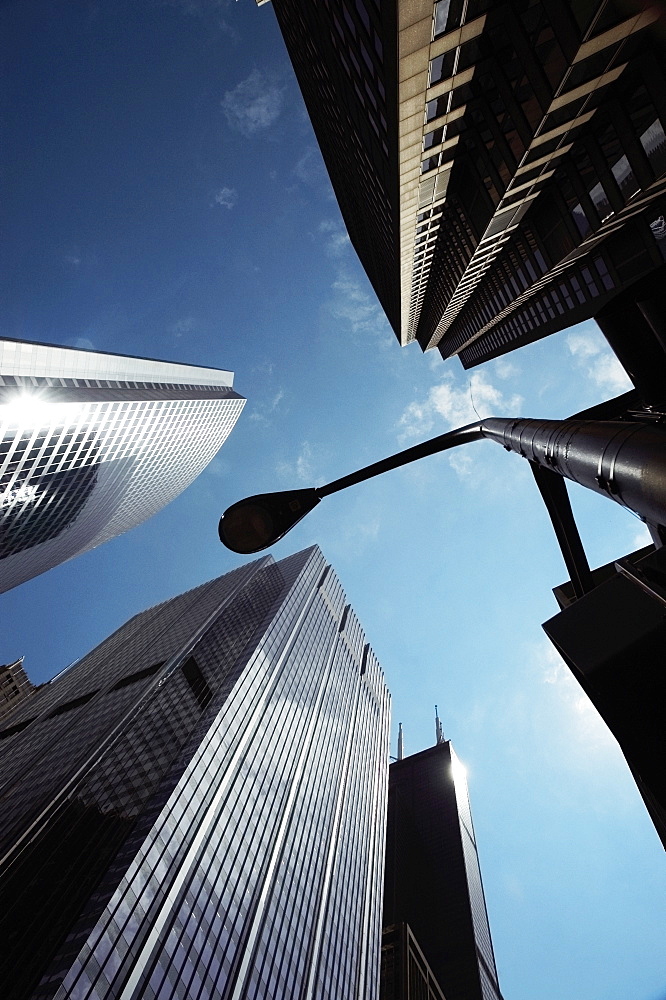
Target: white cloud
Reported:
[(262, 412), (254, 104), (505, 369), (584, 720), (226, 196), (456, 405), (351, 305), (435, 360), (583, 345), (207, 10), (310, 170), (84, 343), (600, 364), (219, 468), (73, 259), (181, 326), (301, 468), (336, 239), (462, 463), (356, 308), (641, 538)]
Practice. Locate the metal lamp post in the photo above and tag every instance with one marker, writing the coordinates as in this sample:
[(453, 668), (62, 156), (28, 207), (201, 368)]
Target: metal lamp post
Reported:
[(624, 460)]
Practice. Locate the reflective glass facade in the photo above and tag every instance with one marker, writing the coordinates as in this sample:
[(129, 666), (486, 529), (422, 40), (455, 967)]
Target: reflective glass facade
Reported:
[(500, 164), (92, 444), (405, 973), (432, 879), (195, 809), (15, 686)]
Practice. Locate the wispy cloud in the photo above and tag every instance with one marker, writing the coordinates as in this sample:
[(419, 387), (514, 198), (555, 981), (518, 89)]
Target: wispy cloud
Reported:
[(210, 10), (301, 468), (586, 723), (182, 326), (361, 312), (219, 468), (262, 413), (310, 170), (226, 196), (336, 238), (351, 305), (74, 259), (82, 342), (641, 537), (505, 369), (456, 405), (598, 361), (254, 104), (266, 367)]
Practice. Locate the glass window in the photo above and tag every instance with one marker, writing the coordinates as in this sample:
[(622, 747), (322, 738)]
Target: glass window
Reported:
[(600, 201), (441, 67), (434, 138), (441, 16), (625, 177), (653, 142), (603, 273), (581, 220)]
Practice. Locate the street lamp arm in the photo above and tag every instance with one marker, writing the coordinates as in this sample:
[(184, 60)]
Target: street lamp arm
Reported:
[(624, 460), (471, 432)]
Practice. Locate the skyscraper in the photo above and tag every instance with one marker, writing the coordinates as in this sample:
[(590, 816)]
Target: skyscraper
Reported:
[(195, 809), (499, 164), (15, 686), (432, 880), (91, 444)]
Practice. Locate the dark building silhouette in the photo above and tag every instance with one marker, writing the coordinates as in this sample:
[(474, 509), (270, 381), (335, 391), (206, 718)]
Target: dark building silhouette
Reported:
[(613, 639), (190, 811), (500, 166), (432, 880)]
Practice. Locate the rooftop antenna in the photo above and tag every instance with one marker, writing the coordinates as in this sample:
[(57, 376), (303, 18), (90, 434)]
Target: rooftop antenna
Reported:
[(401, 746), (439, 735)]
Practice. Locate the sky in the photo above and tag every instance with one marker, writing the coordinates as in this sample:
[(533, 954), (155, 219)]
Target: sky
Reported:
[(164, 196)]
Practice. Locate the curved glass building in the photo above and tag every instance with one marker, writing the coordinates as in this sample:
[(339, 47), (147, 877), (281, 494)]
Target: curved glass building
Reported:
[(92, 444)]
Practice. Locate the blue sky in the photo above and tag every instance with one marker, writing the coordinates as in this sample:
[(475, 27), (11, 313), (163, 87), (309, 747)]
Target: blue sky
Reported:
[(164, 196)]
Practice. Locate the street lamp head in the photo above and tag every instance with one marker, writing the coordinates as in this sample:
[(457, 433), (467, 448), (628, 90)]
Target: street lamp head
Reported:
[(257, 522)]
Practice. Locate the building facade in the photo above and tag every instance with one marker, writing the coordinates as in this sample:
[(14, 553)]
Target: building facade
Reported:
[(405, 973), (195, 808), (91, 444), (432, 880), (500, 164), (15, 686)]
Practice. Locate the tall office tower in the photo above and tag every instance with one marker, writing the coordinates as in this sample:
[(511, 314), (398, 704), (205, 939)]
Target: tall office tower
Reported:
[(432, 880), (91, 444), (499, 164), (15, 686), (195, 809)]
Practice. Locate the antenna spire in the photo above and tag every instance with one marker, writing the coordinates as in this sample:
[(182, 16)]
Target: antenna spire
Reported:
[(401, 746), (439, 735)]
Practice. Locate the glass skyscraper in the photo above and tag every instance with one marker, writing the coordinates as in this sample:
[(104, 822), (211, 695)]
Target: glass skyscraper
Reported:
[(196, 808), (432, 880), (91, 444)]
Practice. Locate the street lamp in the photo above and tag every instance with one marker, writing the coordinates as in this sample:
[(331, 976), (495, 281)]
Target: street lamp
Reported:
[(623, 459)]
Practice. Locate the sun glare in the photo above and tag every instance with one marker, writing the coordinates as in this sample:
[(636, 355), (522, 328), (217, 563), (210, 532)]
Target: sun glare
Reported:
[(34, 409)]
